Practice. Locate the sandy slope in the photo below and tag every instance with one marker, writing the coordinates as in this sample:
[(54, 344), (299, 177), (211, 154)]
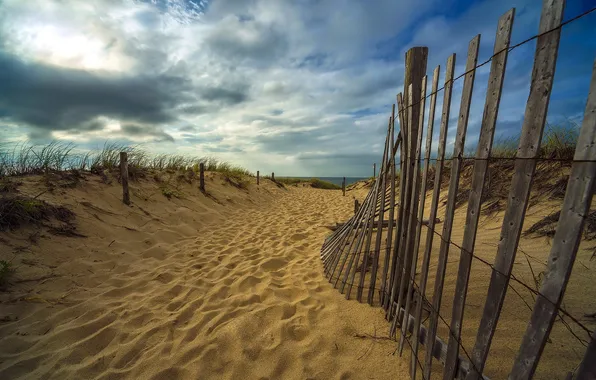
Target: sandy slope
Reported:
[(226, 288)]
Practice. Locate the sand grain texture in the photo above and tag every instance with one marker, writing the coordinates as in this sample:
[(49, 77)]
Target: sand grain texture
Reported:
[(196, 287)]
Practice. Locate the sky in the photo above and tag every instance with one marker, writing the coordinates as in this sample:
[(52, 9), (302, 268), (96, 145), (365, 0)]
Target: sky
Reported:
[(298, 87)]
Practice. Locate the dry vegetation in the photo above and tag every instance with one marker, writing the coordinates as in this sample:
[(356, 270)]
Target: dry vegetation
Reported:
[(311, 182), (61, 166)]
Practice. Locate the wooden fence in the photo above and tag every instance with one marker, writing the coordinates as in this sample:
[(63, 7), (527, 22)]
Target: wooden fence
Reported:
[(385, 273)]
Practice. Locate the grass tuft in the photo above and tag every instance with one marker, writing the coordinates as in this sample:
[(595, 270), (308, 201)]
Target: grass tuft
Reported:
[(5, 271), (313, 182), (17, 211)]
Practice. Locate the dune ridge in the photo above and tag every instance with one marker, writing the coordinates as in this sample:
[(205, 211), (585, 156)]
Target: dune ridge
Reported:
[(228, 286)]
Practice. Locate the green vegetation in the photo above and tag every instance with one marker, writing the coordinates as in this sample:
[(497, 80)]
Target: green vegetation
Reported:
[(169, 192), (550, 180), (558, 142), (314, 182), (5, 271), (16, 211), (24, 159)]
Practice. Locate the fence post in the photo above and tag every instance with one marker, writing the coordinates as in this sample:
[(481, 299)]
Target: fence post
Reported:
[(273, 176), (356, 206), (375, 170), (415, 70), (258, 177), (343, 186), (124, 177), (202, 177)]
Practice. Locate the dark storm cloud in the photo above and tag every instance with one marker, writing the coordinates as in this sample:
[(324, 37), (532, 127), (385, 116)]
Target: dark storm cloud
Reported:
[(57, 98), (146, 131), (50, 98), (229, 96), (239, 39), (187, 128)]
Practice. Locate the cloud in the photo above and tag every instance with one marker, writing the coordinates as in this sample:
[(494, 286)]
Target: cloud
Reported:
[(300, 88), (134, 130)]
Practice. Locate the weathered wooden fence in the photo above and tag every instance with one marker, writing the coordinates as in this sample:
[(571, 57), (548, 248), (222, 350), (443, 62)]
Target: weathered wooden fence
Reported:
[(385, 273)]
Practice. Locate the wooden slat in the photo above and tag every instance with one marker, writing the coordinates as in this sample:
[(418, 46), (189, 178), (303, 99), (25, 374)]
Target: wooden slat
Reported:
[(415, 71), (440, 348), (413, 220), (458, 151), (531, 135), (570, 227), (403, 219), (363, 215), (428, 146), (368, 231), (410, 184), (487, 131), (436, 192), (377, 250), (587, 367), (391, 211), (388, 178), (396, 258), (351, 230)]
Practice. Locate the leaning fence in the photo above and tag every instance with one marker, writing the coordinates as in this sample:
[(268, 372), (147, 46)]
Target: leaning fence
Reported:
[(377, 253)]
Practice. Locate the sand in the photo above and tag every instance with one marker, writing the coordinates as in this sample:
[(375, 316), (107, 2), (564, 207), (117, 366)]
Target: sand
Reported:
[(228, 286)]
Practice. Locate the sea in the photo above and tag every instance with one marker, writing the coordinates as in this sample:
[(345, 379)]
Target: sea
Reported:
[(336, 180)]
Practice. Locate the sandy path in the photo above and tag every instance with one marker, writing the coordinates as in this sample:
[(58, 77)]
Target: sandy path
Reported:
[(246, 299)]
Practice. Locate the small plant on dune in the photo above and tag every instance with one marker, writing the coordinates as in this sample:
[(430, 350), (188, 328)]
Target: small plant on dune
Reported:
[(320, 184), (16, 211), (169, 192), (313, 182), (5, 271), (8, 186)]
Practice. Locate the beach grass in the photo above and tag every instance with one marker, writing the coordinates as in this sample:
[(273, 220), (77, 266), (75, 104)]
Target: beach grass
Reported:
[(313, 182), (25, 158)]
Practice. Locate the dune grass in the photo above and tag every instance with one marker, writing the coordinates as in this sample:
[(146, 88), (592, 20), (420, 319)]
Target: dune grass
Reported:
[(16, 211), (24, 159), (314, 182)]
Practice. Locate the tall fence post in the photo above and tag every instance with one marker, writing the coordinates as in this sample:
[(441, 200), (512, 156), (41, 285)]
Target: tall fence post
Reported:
[(415, 70), (375, 170), (273, 176), (258, 175), (124, 177), (356, 206), (343, 186), (202, 177)]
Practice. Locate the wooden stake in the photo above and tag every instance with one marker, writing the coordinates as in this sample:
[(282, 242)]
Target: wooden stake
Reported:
[(343, 186), (456, 163), (375, 170), (355, 206), (397, 258), (273, 176), (569, 232), (124, 177), (258, 176), (487, 131), (387, 261), (202, 177), (543, 73), (436, 191), (406, 291)]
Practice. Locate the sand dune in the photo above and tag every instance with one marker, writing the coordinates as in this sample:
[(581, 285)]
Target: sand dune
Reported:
[(229, 287)]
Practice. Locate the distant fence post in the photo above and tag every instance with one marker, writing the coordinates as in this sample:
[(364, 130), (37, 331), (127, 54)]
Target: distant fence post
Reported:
[(374, 169), (202, 177), (343, 186), (258, 173), (273, 176), (356, 206), (124, 177)]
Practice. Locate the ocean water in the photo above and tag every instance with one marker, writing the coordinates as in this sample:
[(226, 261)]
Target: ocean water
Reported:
[(336, 180)]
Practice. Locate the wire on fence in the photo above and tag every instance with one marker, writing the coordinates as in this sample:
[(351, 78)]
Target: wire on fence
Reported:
[(509, 49)]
